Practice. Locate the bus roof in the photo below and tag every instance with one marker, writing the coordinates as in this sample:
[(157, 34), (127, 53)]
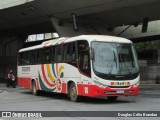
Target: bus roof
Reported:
[(89, 38), (101, 38)]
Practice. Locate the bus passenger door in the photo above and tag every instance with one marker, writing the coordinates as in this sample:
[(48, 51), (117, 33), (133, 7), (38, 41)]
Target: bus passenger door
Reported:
[(84, 61)]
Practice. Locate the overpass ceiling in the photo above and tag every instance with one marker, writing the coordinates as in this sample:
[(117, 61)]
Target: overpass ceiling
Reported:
[(104, 12)]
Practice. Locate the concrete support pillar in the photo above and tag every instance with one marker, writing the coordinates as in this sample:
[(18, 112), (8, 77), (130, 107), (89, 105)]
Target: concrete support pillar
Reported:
[(65, 29), (9, 45)]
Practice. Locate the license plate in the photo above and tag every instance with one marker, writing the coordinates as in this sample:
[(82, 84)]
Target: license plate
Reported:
[(120, 91)]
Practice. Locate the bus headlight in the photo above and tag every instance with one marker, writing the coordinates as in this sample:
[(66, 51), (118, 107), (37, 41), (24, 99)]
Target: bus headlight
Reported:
[(100, 84), (137, 84)]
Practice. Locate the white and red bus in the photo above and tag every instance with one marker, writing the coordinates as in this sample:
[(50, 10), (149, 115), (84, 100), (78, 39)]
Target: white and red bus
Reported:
[(86, 65)]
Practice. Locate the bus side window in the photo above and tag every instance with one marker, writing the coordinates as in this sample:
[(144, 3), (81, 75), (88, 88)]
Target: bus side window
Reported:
[(73, 52), (26, 59), (32, 56), (84, 61), (82, 45), (58, 53), (67, 57), (83, 57), (20, 59), (39, 56), (23, 58), (70, 53), (53, 55), (47, 55)]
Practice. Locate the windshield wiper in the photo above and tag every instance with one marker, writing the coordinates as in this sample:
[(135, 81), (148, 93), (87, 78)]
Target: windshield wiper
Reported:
[(115, 58)]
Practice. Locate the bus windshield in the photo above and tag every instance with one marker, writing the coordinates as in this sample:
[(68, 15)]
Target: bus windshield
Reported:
[(114, 58)]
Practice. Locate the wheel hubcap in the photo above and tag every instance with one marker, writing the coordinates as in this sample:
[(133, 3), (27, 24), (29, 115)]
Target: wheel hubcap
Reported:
[(73, 92), (34, 89)]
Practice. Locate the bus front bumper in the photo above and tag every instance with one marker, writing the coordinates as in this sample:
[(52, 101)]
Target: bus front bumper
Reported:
[(96, 91)]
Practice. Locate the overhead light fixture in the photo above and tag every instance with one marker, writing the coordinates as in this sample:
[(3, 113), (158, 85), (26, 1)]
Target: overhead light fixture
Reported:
[(74, 20)]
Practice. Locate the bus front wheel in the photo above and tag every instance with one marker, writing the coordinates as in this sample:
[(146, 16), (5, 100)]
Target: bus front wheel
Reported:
[(34, 88), (73, 93)]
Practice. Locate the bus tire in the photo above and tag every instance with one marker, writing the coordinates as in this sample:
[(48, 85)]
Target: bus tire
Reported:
[(34, 88), (73, 92), (112, 98)]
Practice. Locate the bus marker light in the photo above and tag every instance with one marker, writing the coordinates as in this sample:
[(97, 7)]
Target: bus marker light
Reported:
[(86, 90), (112, 83)]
